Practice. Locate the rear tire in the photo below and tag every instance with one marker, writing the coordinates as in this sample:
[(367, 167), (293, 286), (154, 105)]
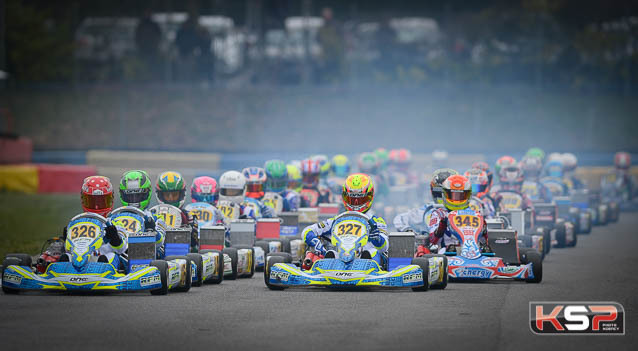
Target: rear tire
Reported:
[(220, 267), (424, 263), (287, 257), (574, 242), (264, 246), (232, 253), (252, 260), (189, 273), (443, 284), (269, 263), (532, 256), (25, 260), (561, 234), (199, 262), (162, 267)]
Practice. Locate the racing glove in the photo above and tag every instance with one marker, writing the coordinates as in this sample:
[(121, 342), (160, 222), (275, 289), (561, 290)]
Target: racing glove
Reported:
[(111, 235), (149, 222), (440, 230), (318, 246)]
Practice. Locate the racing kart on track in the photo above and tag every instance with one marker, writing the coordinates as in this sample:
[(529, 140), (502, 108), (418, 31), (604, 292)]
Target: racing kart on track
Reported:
[(470, 260), (348, 265), (83, 271), (530, 234)]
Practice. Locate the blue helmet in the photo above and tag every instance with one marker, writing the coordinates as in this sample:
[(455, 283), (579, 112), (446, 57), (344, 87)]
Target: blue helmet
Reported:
[(554, 168)]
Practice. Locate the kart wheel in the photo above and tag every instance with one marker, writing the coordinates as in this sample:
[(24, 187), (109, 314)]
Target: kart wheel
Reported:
[(189, 273), (285, 244), (424, 263), (232, 253), (614, 212), (532, 256), (264, 246), (573, 242), (220, 267), (162, 267), (25, 260), (269, 263), (443, 284), (588, 225), (251, 260), (10, 261), (561, 234), (287, 257), (199, 262), (547, 241)]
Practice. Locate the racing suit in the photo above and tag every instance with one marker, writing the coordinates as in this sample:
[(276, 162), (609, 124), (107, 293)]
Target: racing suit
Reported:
[(526, 203), (253, 208), (415, 219), (292, 200), (151, 222), (536, 191), (313, 196), (441, 235), (377, 238)]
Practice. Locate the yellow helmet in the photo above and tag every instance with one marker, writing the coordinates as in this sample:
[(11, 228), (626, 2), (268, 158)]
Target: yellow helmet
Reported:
[(294, 178)]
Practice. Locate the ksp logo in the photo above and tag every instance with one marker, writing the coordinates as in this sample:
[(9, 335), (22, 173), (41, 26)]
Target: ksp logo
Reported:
[(577, 317)]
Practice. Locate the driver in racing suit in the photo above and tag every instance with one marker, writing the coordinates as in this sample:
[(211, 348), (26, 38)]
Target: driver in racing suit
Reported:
[(357, 195), (171, 190)]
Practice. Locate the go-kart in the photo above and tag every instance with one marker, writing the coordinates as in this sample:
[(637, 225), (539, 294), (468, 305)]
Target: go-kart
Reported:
[(84, 271), (207, 264), (530, 234), (470, 260), (348, 265)]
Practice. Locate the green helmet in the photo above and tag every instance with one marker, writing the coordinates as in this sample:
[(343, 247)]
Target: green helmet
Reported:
[(135, 189), (277, 176), (383, 156), (170, 189), (368, 163), (536, 152)]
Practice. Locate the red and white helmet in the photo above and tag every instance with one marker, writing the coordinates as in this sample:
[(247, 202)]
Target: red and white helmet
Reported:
[(310, 172), (400, 156), (622, 160), (255, 181), (97, 195)]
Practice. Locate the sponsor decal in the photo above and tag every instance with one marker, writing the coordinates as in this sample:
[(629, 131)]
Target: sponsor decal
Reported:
[(78, 279), (465, 272), (279, 275), (502, 241), (489, 262), (208, 266), (454, 261), (344, 274), (576, 317), (12, 278), (154, 279), (138, 266), (412, 277), (510, 269)]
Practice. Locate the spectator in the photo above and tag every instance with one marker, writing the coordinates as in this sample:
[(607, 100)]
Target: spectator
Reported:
[(193, 44), (148, 36), (332, 45)]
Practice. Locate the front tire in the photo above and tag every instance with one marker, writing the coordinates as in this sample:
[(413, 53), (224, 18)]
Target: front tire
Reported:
[(10, 261), (443, 284), (269, 263), (162, 267), (533, 257), (189, 273), (220, 267), (232, 253), (424, 264), (561, 234), (251, 260), (199, 262)]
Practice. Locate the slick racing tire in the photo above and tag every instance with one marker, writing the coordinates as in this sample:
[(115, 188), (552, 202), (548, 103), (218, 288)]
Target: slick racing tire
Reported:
[(443, 284), (285, 244), (424, 263), (613, 211), (220, 267), (252, 260), (269, 263), (189, 273), (573, 242), (561, 234), (199, 262), (162, 267), (232, 253), (25, 260), (532, 256), (10, 261), (287, 258), (588, 223), (264, 246)]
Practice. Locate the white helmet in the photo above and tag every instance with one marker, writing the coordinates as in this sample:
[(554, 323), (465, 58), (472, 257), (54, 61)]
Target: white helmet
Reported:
[(554, 156), (232, 187), (570, 162)]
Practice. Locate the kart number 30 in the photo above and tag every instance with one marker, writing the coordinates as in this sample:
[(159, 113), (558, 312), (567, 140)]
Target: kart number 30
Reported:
[(203, 215)]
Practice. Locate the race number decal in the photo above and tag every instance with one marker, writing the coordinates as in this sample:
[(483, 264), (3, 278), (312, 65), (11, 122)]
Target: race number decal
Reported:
[(169, 219), (530, 189), (229, 211), (349, 228), (202, 214), (84, 230), (467, 221), (511, 201), (130, 224), (273, 200), (475, 206)]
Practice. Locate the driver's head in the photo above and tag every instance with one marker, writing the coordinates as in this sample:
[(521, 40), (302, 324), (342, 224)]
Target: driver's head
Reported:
[(436, 184), (358, 192), (171, 189), (457, 191), (97, 195)]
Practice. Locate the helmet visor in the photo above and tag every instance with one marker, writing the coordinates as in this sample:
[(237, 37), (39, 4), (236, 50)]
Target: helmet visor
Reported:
[(457, 196), (437, 192), (231, 192), (201, 197), (294, 184), (356, 201), (254, 187), (171, 196), (134, 195), (310, 179), (97, 202), (277, 184)]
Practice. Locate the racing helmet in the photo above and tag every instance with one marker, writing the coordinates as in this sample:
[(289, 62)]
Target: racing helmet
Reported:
[(310, 173), (255, 181), (482, 165), (358, 192), (570, 162), (531, 166), (457, 192), (294, 177), (622, 160), (135, 189), (436, 184), (511, 177), (276, 176), (383, 156), (502, 162), (97, 195), (401, 158), (340, 165), (232, 187), (204, 189), (324, 164), (554, 168), (170, 189), (368, 163), (439, 158), (478, 180), (536, 152), (555, 156)]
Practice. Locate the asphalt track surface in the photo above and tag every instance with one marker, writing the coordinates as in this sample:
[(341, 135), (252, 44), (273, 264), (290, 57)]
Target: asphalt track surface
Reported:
[(244, 314)]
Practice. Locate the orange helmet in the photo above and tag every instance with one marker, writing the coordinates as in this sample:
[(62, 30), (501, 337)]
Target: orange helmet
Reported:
[(97, 195), (358, 192), (457, 191)]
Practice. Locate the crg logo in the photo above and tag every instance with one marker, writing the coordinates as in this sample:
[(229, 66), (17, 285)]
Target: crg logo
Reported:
[(577, 318)]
